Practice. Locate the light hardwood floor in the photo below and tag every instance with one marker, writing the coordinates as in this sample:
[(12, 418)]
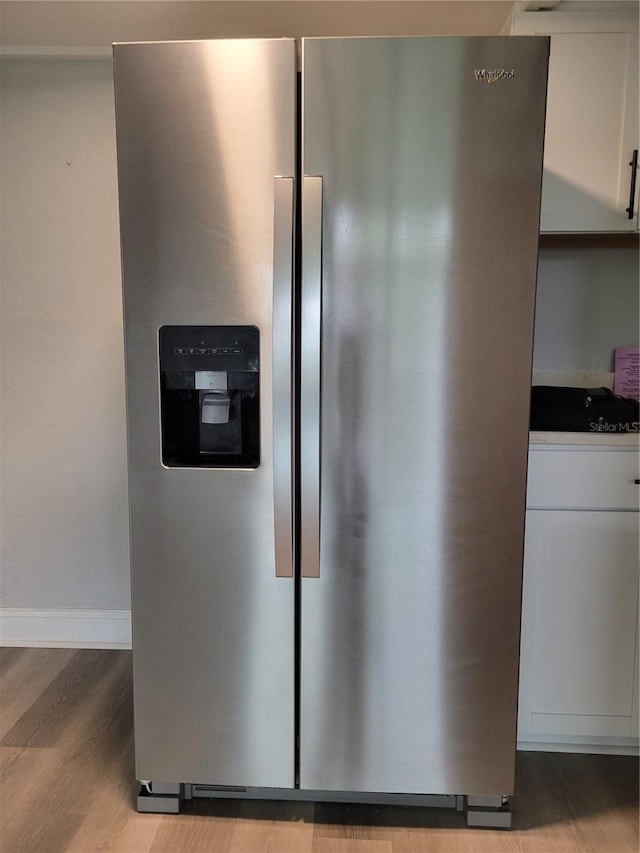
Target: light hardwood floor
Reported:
[(68, 784)]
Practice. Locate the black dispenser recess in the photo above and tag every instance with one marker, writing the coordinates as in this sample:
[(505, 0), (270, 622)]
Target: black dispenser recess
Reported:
[(210, 396)]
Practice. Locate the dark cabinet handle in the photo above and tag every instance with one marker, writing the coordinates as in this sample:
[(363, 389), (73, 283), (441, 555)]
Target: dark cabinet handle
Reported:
[(632, 193), (637, 482)]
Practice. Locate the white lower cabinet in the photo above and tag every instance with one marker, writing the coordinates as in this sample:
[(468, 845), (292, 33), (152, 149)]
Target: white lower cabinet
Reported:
[(578, 675)]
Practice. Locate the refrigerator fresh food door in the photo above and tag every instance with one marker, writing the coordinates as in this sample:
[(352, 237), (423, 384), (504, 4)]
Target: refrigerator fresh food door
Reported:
[(206, 155), (423, 160)]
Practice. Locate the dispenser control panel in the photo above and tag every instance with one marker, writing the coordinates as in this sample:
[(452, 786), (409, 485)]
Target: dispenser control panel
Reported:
[(210, 396)]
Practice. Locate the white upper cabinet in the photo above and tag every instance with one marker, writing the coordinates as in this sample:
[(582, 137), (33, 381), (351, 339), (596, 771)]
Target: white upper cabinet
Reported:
[(592, 115)]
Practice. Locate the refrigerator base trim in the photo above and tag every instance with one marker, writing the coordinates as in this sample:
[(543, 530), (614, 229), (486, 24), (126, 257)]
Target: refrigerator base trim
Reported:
[(487, 810)]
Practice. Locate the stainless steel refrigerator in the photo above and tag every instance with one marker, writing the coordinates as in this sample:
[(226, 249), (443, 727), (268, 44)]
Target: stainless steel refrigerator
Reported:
[(329, 281)]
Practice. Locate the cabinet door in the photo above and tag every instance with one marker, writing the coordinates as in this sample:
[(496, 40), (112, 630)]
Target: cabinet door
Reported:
[(579, 624), (592, 119)]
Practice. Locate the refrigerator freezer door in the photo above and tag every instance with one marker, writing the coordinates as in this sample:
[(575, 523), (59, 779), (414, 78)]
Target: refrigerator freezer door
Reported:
[(430, 154), (203, 130)]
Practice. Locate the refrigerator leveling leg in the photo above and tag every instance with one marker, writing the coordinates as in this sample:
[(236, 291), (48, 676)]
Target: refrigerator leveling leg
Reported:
[(160, 797), (492, 811)]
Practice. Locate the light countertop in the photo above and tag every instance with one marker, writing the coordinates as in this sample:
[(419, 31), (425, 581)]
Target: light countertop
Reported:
[(580, 379), (592, 439)]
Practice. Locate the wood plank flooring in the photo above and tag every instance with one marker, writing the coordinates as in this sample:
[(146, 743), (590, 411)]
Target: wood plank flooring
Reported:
[(68, 784)]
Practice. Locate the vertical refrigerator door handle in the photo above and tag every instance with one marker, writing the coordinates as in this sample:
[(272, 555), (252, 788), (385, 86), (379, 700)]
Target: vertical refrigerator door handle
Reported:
[(283, 223), (311, 380)]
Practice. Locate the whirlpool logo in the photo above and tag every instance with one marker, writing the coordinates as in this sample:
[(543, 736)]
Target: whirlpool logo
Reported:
[(494, 74)]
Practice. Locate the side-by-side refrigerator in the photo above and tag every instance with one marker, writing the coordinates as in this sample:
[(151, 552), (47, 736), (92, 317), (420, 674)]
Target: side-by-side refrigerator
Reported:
[(329, 280)]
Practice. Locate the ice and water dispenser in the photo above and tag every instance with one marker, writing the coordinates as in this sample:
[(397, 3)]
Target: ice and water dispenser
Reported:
[(210, 396)]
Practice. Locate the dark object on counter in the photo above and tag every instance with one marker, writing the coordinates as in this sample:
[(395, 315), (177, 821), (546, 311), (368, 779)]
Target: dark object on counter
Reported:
[(582, 410)]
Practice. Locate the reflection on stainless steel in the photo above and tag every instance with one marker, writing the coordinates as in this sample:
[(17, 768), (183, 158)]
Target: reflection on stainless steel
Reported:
[(420, 194), (202, 131), (431, 196)]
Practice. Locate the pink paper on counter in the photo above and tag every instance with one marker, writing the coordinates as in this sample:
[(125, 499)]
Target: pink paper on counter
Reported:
[(627, 372)]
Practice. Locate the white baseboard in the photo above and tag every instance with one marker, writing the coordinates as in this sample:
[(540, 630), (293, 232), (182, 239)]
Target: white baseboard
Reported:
[(594, 746), (111, 629), (75, 629)]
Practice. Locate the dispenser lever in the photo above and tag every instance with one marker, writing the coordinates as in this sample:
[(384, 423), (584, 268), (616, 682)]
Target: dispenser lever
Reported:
[(215, 408)]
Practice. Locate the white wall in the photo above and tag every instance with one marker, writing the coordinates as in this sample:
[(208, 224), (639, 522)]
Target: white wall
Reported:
[(587, 305), (62, 461), (63, 487), (64, 492), (46, 25)]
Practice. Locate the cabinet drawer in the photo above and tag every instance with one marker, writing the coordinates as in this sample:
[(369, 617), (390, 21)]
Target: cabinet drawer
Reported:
[(583, 479)]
